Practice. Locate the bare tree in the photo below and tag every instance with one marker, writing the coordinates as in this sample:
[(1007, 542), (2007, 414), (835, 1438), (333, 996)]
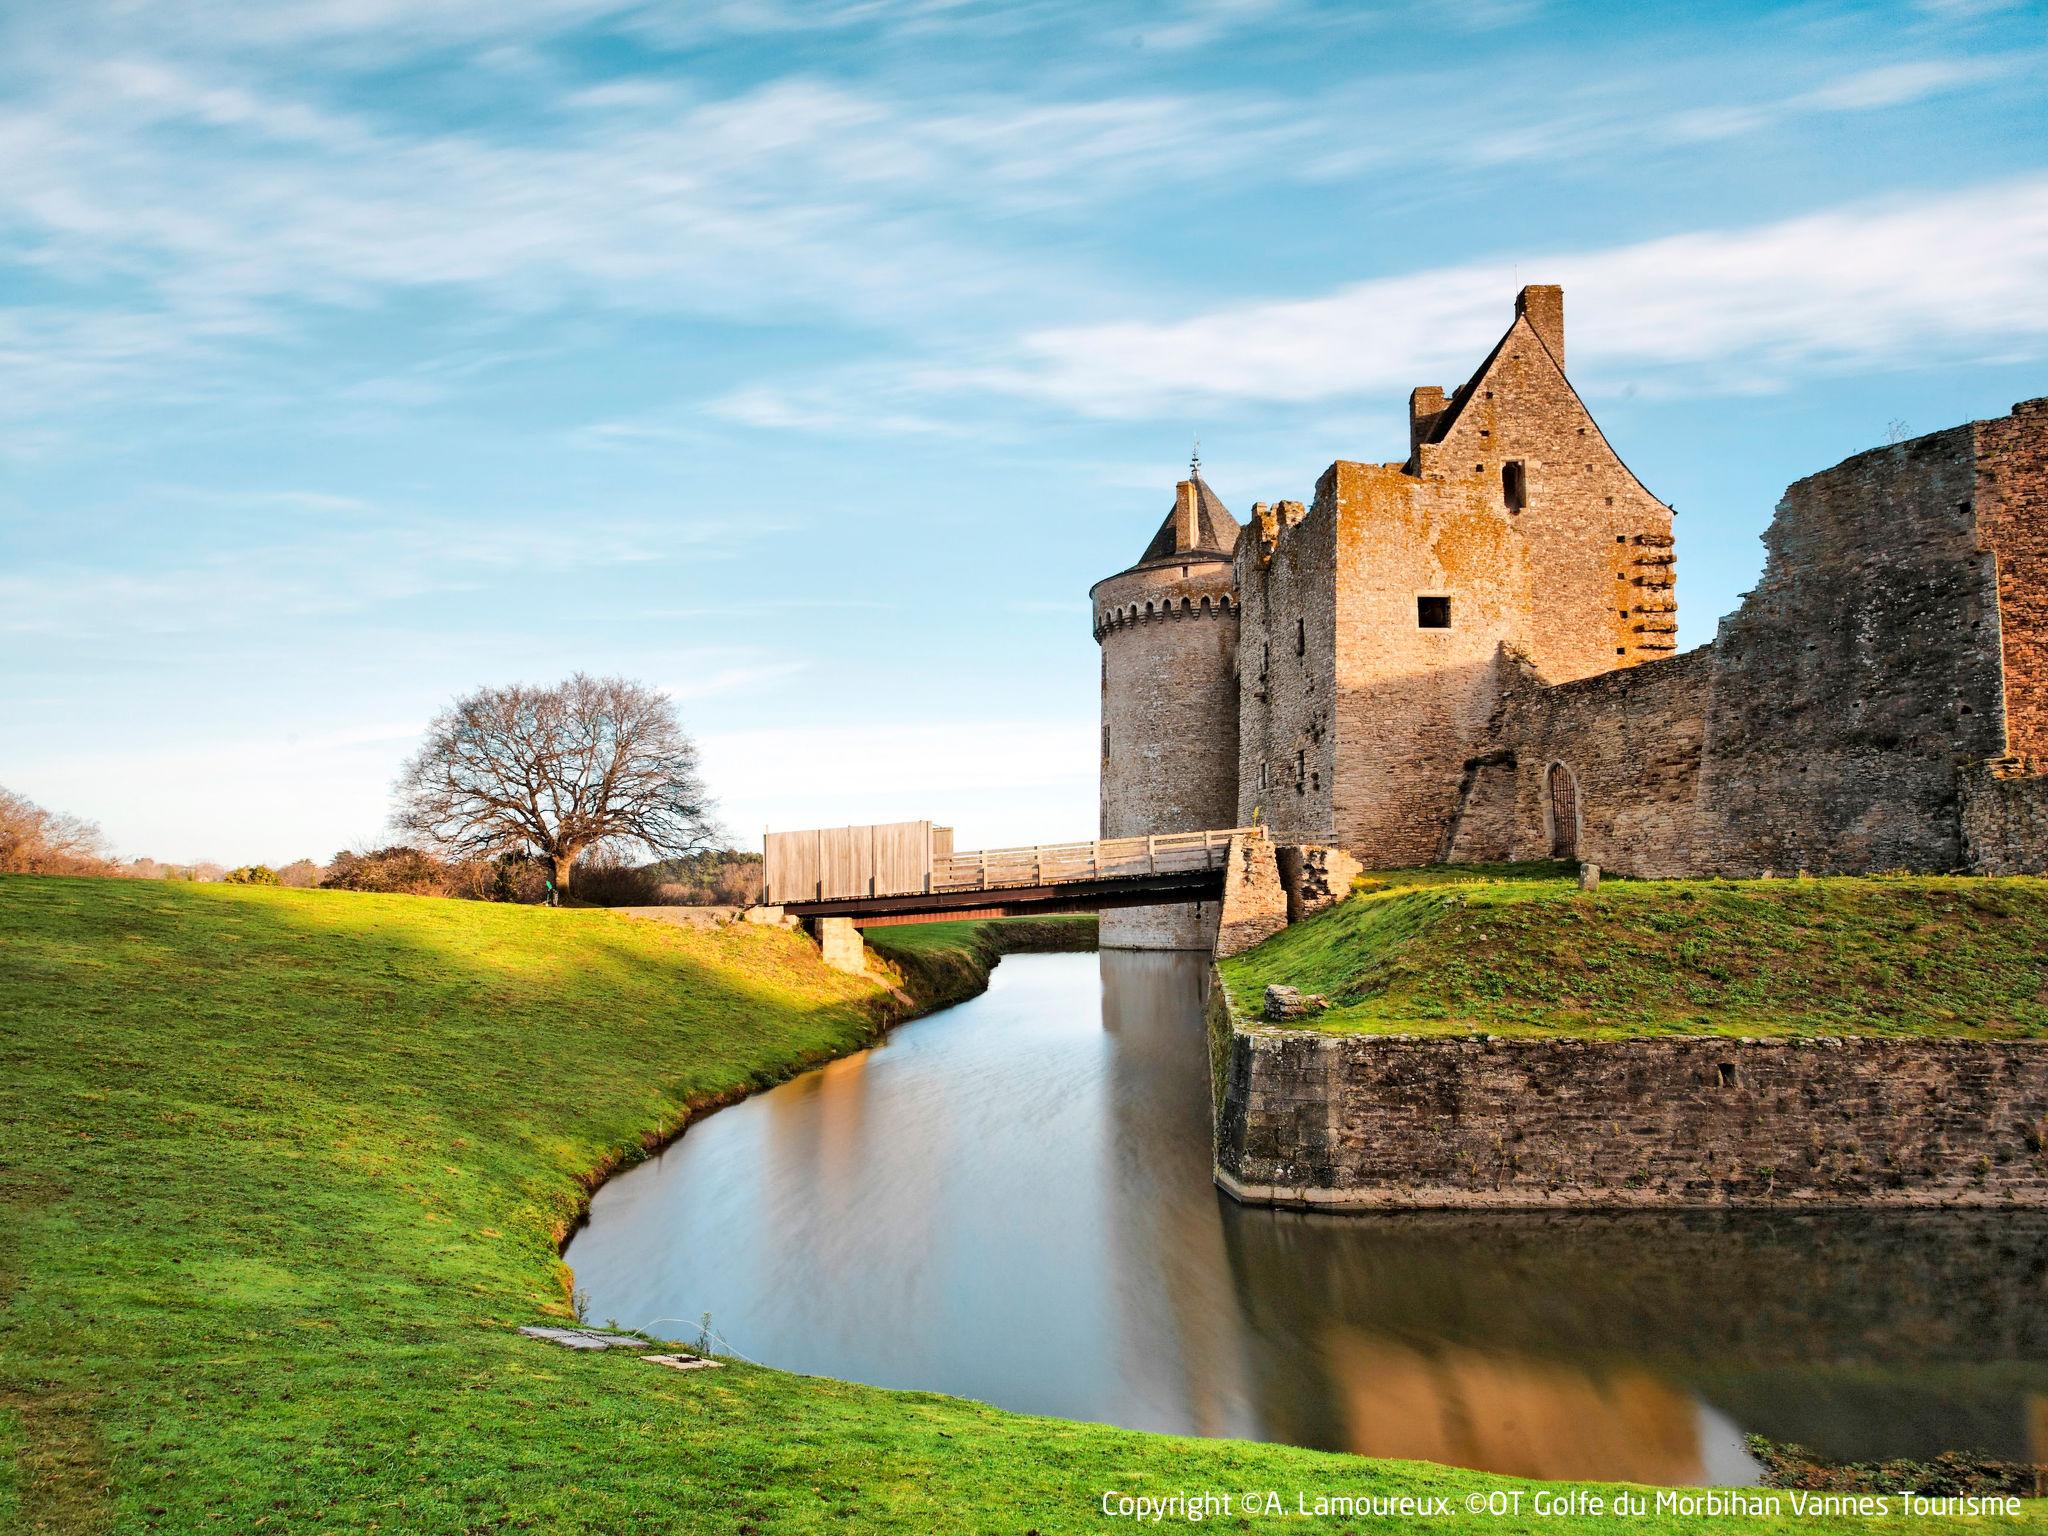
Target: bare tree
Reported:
[(38, 842), (592, 763)]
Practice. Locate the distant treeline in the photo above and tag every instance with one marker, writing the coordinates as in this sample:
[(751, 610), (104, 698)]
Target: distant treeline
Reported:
[(35, 841)]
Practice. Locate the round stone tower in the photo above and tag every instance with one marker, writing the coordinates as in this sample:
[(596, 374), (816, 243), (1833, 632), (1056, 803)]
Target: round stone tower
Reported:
[(1168, 631)]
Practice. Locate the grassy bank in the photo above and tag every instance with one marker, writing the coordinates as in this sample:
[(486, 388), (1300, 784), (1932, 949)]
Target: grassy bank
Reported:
[(283, 1172), (942, 963), (1521, 950)]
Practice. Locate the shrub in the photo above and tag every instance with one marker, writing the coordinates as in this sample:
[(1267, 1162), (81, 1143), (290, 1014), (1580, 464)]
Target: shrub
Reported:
[(252, 874), (394, 870), (303, 874)]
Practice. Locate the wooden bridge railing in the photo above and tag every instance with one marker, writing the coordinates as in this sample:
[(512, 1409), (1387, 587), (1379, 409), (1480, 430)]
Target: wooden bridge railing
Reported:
[(987, 869)]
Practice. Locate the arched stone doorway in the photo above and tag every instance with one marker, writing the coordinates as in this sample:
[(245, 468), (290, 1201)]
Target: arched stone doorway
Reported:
[(1562, 794)]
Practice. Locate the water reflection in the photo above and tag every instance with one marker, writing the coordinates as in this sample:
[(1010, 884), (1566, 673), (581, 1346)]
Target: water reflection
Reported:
[(1012, 1201)]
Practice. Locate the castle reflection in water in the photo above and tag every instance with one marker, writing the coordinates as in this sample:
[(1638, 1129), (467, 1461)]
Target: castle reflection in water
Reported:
[(1012, 1201)]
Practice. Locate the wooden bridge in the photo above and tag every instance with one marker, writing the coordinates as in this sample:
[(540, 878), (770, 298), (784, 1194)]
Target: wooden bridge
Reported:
[(908, 872)]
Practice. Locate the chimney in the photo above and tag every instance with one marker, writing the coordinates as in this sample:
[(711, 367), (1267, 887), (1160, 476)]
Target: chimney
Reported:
[(1425, 405), (1543, 303), (1187, 523)]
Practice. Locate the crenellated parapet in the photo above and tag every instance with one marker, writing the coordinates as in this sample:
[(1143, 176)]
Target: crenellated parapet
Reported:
[(1162, 608)]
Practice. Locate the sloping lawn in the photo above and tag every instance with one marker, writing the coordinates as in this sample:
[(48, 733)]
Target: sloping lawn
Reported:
[(283, 1172), (1521, 950)]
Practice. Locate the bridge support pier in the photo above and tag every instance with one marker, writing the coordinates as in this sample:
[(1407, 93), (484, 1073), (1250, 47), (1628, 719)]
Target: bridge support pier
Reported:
[(840, 944)]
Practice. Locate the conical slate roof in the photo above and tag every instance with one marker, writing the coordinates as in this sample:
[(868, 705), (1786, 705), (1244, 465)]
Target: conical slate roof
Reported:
[(1216, 530)]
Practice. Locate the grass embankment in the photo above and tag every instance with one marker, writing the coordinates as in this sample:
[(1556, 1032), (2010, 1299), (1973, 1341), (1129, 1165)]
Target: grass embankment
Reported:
[(942, 963), (283, 1172), (1520, 950)]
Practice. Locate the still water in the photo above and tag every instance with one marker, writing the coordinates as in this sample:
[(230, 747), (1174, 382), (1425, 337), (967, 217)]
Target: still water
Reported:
[(1011, 1201)]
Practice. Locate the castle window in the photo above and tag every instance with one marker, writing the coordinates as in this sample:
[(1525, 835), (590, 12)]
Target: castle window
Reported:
[(1301, 637), (1264, 769), (1265, 658), (1301, 771), (1432, 613), (1105, 740), (1514, 485)]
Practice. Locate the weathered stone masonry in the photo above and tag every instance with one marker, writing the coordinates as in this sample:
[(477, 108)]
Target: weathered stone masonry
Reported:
[(1168, 632), (1365, 1120), (1469, 655)]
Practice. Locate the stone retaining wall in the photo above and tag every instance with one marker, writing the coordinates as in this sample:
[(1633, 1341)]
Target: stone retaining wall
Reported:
[(1305, 1118)]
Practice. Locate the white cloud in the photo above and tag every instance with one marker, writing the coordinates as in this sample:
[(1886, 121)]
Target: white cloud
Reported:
[(753, 677), (1944, 277), (336, 568), (1895, 85), (837, 411)]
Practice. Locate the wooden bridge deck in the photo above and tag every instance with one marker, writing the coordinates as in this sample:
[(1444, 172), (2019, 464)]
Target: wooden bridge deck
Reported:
[(1001, 882)]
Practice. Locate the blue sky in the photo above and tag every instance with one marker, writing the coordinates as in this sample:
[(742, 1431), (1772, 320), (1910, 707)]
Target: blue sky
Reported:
[(812, 359)]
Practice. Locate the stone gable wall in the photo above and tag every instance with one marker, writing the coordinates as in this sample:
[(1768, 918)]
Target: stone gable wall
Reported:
[(1597, 545)]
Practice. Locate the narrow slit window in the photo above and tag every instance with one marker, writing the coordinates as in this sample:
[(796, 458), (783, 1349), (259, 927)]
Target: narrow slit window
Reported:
[(1514, 485), (1432, 613), (1301, 637), (1301, 770)]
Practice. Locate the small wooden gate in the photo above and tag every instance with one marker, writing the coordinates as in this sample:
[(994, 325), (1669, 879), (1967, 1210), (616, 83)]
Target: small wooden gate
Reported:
[(1564, 813)]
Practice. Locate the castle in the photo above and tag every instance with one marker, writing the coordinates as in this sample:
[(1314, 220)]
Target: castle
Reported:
[(1471, 655)]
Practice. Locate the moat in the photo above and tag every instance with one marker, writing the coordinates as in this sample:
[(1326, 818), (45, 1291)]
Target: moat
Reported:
[(1012, 1201)]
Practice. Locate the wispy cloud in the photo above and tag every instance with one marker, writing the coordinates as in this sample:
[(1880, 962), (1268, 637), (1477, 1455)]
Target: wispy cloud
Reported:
[(1866, 284), (829, 410), (332, 570)]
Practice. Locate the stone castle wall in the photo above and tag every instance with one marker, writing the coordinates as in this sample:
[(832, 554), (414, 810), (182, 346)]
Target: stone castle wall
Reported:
[(1169, 714), (1374, 1121), (1630, 740), (2005, 819), (2012, 518), (1597, 546), (1857, 677), (1866, 708), (1896, 644), (1286, 576), (1513, 509)]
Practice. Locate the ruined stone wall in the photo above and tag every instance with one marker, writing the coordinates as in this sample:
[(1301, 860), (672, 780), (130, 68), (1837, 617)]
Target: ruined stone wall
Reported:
[(1857, 678), (2004, 819), (1630, 742), (1169, 725), (1358, 1120), (2012, 520), (1286, 580)]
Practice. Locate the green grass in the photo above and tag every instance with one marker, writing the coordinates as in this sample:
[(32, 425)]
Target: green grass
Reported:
[(945, 962), (1521, 950), (281, 1172)]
